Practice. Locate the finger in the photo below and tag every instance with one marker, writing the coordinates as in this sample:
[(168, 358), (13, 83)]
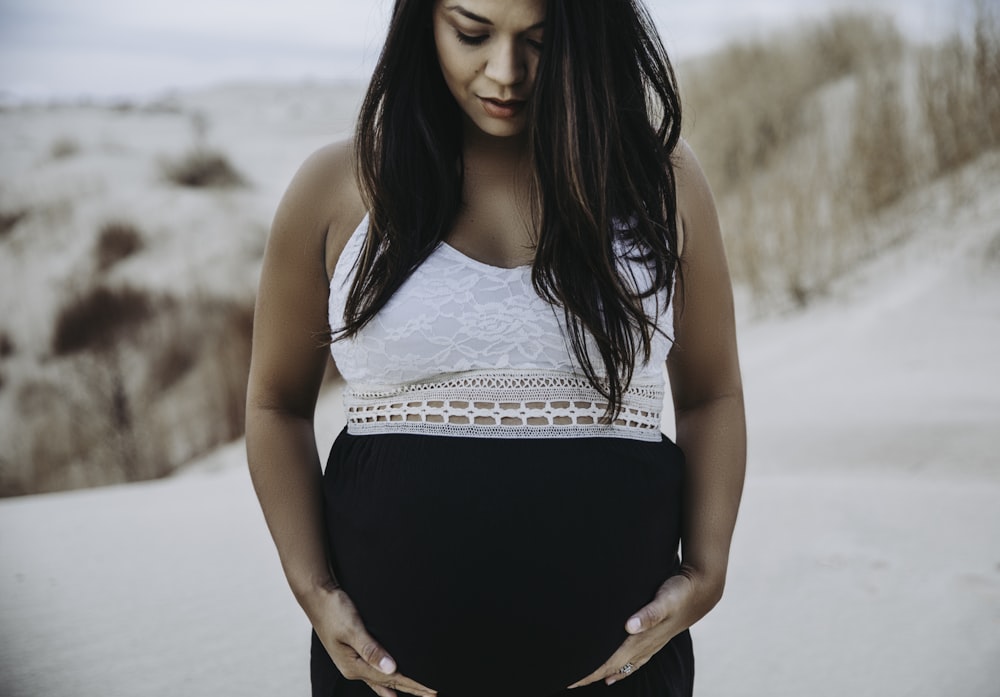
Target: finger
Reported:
[(609, 667), (621, 673), (391, 683), (610, 674), (381, 691), (412, 687)]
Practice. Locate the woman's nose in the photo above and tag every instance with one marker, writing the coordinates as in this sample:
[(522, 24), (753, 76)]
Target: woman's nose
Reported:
[(505, 66)]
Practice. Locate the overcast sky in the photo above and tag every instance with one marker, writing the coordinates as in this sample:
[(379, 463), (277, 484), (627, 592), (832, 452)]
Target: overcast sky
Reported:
[(103, 48)]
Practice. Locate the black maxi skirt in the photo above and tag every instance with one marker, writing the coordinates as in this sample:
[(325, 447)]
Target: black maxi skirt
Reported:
[(503, 567)]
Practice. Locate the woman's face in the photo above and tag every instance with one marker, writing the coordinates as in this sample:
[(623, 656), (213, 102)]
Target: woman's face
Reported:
[(489, 52)]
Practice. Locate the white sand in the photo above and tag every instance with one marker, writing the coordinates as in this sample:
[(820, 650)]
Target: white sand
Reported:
[(866, 559)]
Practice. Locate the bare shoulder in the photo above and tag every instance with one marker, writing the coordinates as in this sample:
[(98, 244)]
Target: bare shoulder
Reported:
[(695, 203), (322, 204)]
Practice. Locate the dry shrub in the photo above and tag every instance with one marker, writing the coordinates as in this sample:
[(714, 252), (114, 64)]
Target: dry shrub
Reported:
[(228, 353), (960, 92), (58, 434), (807, 137), (206, 340), (748, 101), (197, 379), (63, 148), (123, 106), (116, 241), (100, 318), (848, 42), (7, 347), (785, 247), (881, 172), (10, 219), (81, 425), (170, 361), (986, 43), (949, 98), (137, 398), (202, 168)]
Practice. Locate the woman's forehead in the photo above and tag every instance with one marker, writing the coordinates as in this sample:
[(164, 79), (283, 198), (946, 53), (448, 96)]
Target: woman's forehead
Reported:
[(513, 15)]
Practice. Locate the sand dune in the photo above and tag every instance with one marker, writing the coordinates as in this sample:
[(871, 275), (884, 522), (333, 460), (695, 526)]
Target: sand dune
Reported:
[(865, 560)]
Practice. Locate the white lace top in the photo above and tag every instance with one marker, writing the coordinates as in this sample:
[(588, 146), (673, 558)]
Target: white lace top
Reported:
[(468, 349)]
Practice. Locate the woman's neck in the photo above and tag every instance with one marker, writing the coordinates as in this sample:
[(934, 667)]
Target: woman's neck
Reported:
[(491, 156)]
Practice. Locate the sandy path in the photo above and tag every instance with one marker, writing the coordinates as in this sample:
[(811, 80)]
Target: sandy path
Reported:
[(866, 559)]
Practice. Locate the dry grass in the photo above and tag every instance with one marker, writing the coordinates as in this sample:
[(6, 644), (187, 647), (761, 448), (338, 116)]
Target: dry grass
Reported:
[(986, 39), (7, 347), (202, 168), (879, 142), (960, 93), (135, 398), (100, 318), (747, 103), (808, 137), (10, 219), (63, 148), (116, 241), (6, 351)]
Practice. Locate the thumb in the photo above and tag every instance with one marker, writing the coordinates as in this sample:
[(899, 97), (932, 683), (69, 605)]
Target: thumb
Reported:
[(372, 653), (658, 610)]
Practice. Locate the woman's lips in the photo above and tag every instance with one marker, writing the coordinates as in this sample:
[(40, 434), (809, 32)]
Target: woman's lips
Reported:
[(499, 109)]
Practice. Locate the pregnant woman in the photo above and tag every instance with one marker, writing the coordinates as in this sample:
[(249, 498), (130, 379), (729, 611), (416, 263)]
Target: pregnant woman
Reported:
[(502, 260)]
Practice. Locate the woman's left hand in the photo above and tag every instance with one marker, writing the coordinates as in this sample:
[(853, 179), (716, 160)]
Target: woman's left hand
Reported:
[(681, 601)]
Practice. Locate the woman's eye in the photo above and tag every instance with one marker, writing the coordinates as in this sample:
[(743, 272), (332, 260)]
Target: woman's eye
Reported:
[(471, 40), (536, 44)]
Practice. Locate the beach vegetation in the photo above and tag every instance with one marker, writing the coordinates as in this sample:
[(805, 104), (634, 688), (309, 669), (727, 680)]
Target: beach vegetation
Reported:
[(826, 127), (117, 240), (9, 220), (202, 168), (100, 318), (63, 148), (7, 347)]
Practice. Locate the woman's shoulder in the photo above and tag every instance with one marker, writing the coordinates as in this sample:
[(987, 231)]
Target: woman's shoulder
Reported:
[(326, 185), (323, 201), (695, 202), (692, 184)]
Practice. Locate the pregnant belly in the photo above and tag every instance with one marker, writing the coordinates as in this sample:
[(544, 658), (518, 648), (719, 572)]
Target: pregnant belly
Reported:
[(498, 567)]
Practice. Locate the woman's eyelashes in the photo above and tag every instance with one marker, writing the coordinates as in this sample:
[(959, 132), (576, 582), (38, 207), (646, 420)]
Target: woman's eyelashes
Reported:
[(480, 39), (471, 40)]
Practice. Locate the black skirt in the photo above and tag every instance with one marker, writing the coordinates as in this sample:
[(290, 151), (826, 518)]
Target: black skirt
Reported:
[(491, 567)]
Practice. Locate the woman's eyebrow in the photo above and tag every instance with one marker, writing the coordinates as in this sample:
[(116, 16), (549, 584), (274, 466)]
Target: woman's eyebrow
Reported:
[(483, 20)]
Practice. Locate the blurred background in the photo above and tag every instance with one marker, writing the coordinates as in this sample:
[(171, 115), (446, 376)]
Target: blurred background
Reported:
[(115, 48), (145, 146), (854, 150)]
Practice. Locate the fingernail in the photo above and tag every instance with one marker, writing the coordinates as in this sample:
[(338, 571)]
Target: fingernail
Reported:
[(634, 625), (387, 665), (610, 681)]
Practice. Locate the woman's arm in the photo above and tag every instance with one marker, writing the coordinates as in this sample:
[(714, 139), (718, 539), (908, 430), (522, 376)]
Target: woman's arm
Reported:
[(707, 388), (286, 370), (311, 226), (711, 429)]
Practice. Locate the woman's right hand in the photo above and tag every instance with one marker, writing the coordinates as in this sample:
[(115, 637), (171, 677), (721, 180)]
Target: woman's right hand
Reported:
[(354, 651)]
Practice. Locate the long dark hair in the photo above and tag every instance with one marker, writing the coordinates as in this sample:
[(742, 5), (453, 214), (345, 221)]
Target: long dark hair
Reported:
[(605, 118)]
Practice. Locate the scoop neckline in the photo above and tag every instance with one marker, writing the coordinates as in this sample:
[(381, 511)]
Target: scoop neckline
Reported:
[(454, 251)]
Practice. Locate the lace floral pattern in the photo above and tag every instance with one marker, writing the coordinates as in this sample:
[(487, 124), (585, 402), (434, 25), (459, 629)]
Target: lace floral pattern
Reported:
[(456, 315)]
